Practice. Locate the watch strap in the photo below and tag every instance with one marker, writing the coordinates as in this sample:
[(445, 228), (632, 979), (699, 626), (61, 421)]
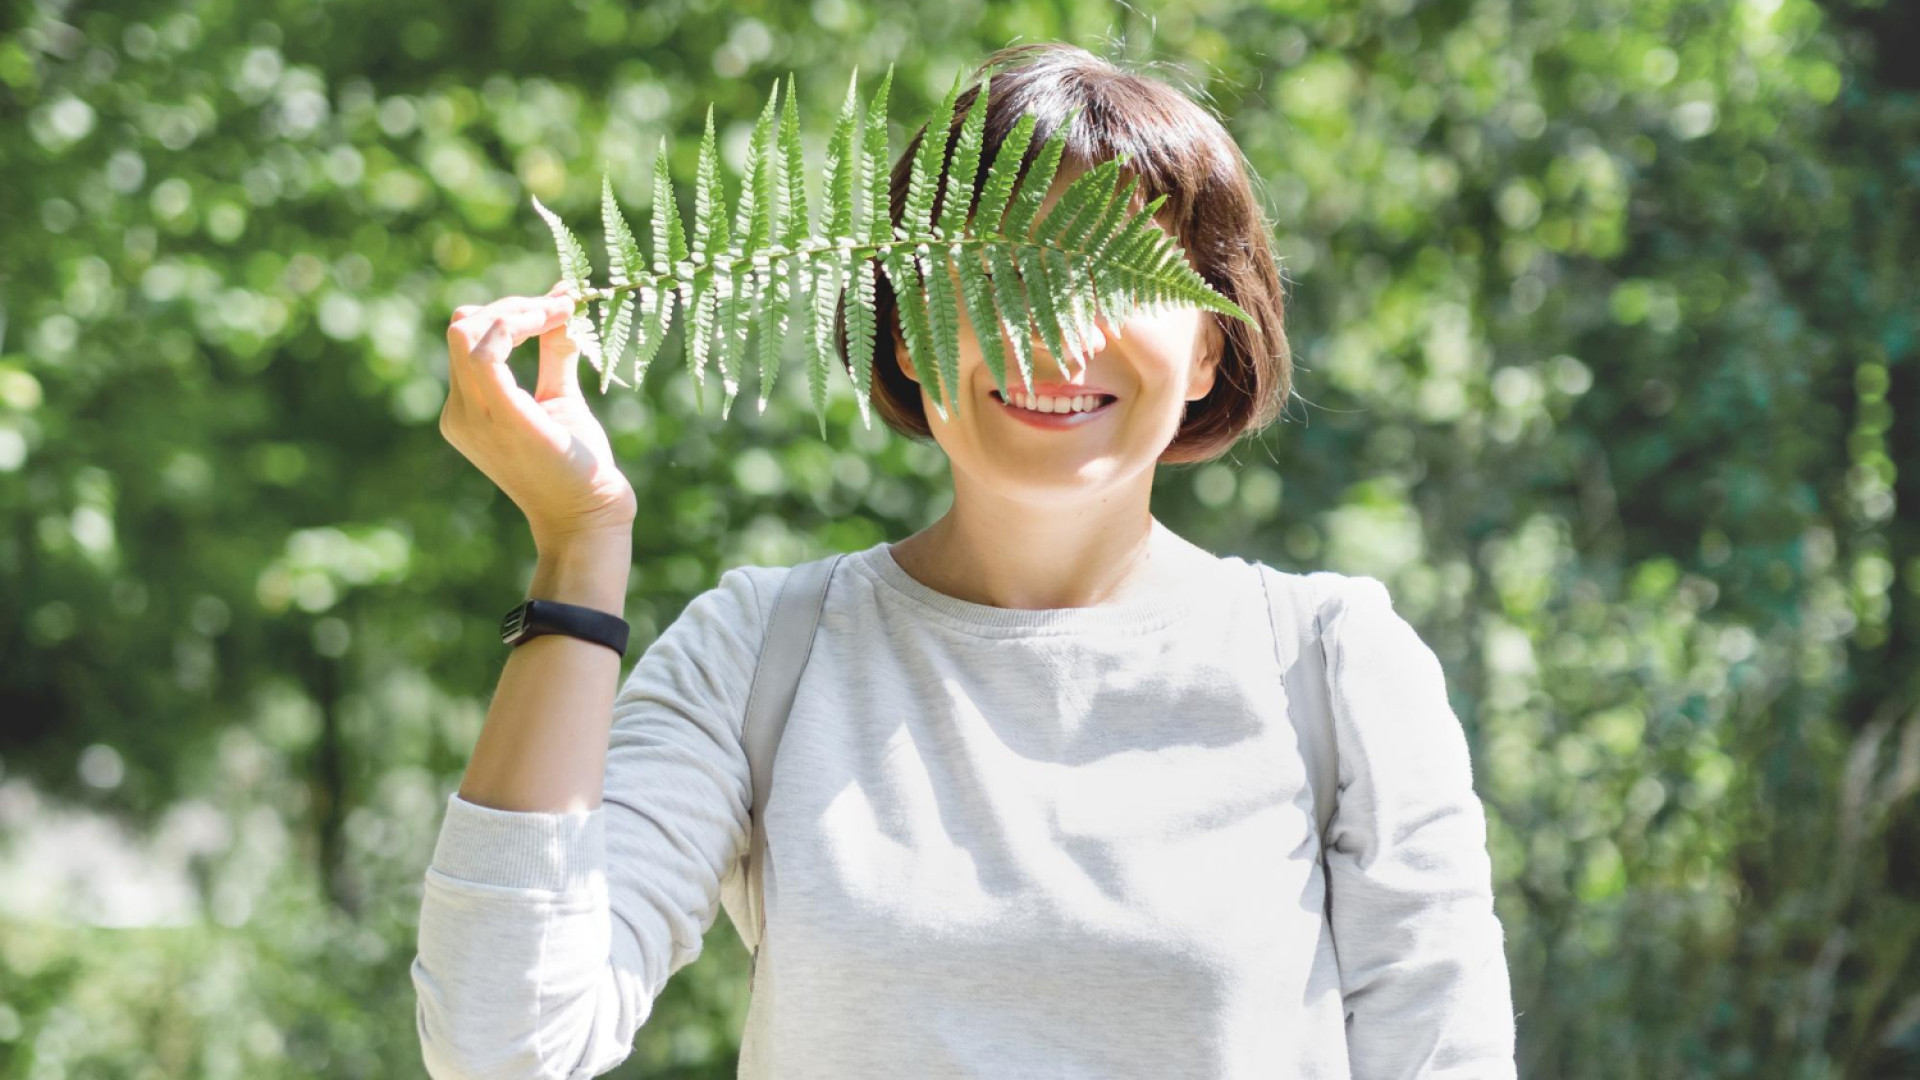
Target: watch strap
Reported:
[(536, 617)]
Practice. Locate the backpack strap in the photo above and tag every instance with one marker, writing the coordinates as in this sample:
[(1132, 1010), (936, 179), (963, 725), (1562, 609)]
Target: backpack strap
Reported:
[(783, 656), (1293, 605)]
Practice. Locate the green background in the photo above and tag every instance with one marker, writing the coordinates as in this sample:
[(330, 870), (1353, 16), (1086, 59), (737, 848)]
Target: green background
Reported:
[(1604, 313)]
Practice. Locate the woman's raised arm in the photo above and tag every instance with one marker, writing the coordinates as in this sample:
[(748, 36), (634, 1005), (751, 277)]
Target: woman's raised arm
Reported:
[(543, 746), (581, 861)]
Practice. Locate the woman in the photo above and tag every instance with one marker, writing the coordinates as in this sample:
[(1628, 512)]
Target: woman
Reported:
[(1039, 810)]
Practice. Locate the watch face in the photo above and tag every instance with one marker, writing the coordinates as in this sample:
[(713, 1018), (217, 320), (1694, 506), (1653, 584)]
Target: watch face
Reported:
[(512, 626)]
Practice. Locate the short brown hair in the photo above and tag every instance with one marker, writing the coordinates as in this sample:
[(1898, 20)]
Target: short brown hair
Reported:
[(1176, 148)]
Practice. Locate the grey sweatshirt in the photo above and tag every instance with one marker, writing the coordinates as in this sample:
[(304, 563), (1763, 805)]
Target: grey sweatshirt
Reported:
[(1074, 842)]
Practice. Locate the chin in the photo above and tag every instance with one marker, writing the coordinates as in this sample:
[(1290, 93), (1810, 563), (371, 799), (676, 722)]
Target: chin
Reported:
[(1033, 477)]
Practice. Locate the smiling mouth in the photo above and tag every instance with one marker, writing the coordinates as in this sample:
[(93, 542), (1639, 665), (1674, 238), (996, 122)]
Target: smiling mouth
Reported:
[(1101, 404)]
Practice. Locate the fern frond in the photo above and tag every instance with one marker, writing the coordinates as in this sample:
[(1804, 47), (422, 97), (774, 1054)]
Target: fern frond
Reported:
[(1006, 169), (754, 224), (710, 234), (794, 174), (1016, 318), (700, 302), (923, 177), (978, 292), (842, 169), (874, 175), (984, 260), (828, 275), (733, 319), (943, 318), (792, 232), (775, 290), (1037, 182), (624, 267), (1064, 228), (580, 330), (1040, 299), (709, 243), (656, 316), (833, 273), (862, 318), (669, 239), (912, 305), (956, 200), (616, 326), (575, 270)]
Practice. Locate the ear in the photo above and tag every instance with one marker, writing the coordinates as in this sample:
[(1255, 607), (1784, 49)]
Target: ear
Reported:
[(1210, 347)]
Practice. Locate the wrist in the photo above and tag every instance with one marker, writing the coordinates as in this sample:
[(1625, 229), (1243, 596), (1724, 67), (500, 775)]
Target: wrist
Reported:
[(590, 570)]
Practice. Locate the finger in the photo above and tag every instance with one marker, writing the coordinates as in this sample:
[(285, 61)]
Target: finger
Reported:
[(523, 316), (485, 365), (559, 366), (464, 311)]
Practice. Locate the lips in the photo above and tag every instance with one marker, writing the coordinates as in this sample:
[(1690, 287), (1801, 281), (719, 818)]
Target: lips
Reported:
[(1053, 421)]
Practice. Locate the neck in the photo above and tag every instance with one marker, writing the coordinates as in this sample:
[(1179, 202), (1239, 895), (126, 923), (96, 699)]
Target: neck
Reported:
[(996, 549)]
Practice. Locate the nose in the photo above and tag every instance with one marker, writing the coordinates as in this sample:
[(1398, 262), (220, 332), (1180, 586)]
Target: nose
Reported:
[(1091, 336)]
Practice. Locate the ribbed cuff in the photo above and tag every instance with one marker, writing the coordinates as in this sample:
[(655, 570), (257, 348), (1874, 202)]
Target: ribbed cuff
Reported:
[(520, 849)]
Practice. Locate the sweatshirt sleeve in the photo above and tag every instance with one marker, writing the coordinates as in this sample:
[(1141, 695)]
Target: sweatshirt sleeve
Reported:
[(545, 937), (1423, 968)]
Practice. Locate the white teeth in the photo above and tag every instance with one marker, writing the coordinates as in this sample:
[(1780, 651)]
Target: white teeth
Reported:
[(1048, 403)]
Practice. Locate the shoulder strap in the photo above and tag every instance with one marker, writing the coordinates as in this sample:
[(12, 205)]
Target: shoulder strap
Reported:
[(783, 656), (1294, 608)]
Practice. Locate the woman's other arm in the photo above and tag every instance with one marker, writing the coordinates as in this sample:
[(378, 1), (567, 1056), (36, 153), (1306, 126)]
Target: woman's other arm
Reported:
[(1422, 963)]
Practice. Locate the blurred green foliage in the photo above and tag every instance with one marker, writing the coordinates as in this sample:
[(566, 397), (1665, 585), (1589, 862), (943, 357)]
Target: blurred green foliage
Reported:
[(1604, 313)]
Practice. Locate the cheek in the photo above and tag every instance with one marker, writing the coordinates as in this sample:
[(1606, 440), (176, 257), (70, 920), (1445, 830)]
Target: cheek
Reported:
[(1165, 348)]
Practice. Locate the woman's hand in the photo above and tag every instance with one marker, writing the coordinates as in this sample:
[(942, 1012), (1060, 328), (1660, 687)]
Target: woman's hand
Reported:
[(545, 449)]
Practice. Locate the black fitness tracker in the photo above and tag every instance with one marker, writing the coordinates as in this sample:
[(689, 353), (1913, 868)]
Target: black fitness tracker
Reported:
[(536, 617)]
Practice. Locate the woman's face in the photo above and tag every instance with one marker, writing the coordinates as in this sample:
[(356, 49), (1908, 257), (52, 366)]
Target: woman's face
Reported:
[(1142, 374)]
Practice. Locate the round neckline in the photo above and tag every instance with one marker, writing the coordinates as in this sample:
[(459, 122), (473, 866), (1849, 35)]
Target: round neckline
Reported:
[(1135, 615)]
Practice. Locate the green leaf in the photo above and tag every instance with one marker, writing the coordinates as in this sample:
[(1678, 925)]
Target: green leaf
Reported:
[(842, 168), (575, 270), (616, 324), (828, 271), (943, 317), (580, 330), (1016, 318), (700, 333), (624, 264), (710, 234), (656, 317), (799, 227), (1040, 295), (755, 221), (978, 292), (957, 195), (862, 320), (912, 305), (734, 283), (1000, 178), (624, 267), (669, 242), (773, 286), (1038, 181), (916, 220), (874, 173)]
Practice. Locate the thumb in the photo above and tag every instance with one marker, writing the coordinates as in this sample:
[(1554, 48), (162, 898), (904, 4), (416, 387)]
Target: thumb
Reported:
[(559, 366)]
